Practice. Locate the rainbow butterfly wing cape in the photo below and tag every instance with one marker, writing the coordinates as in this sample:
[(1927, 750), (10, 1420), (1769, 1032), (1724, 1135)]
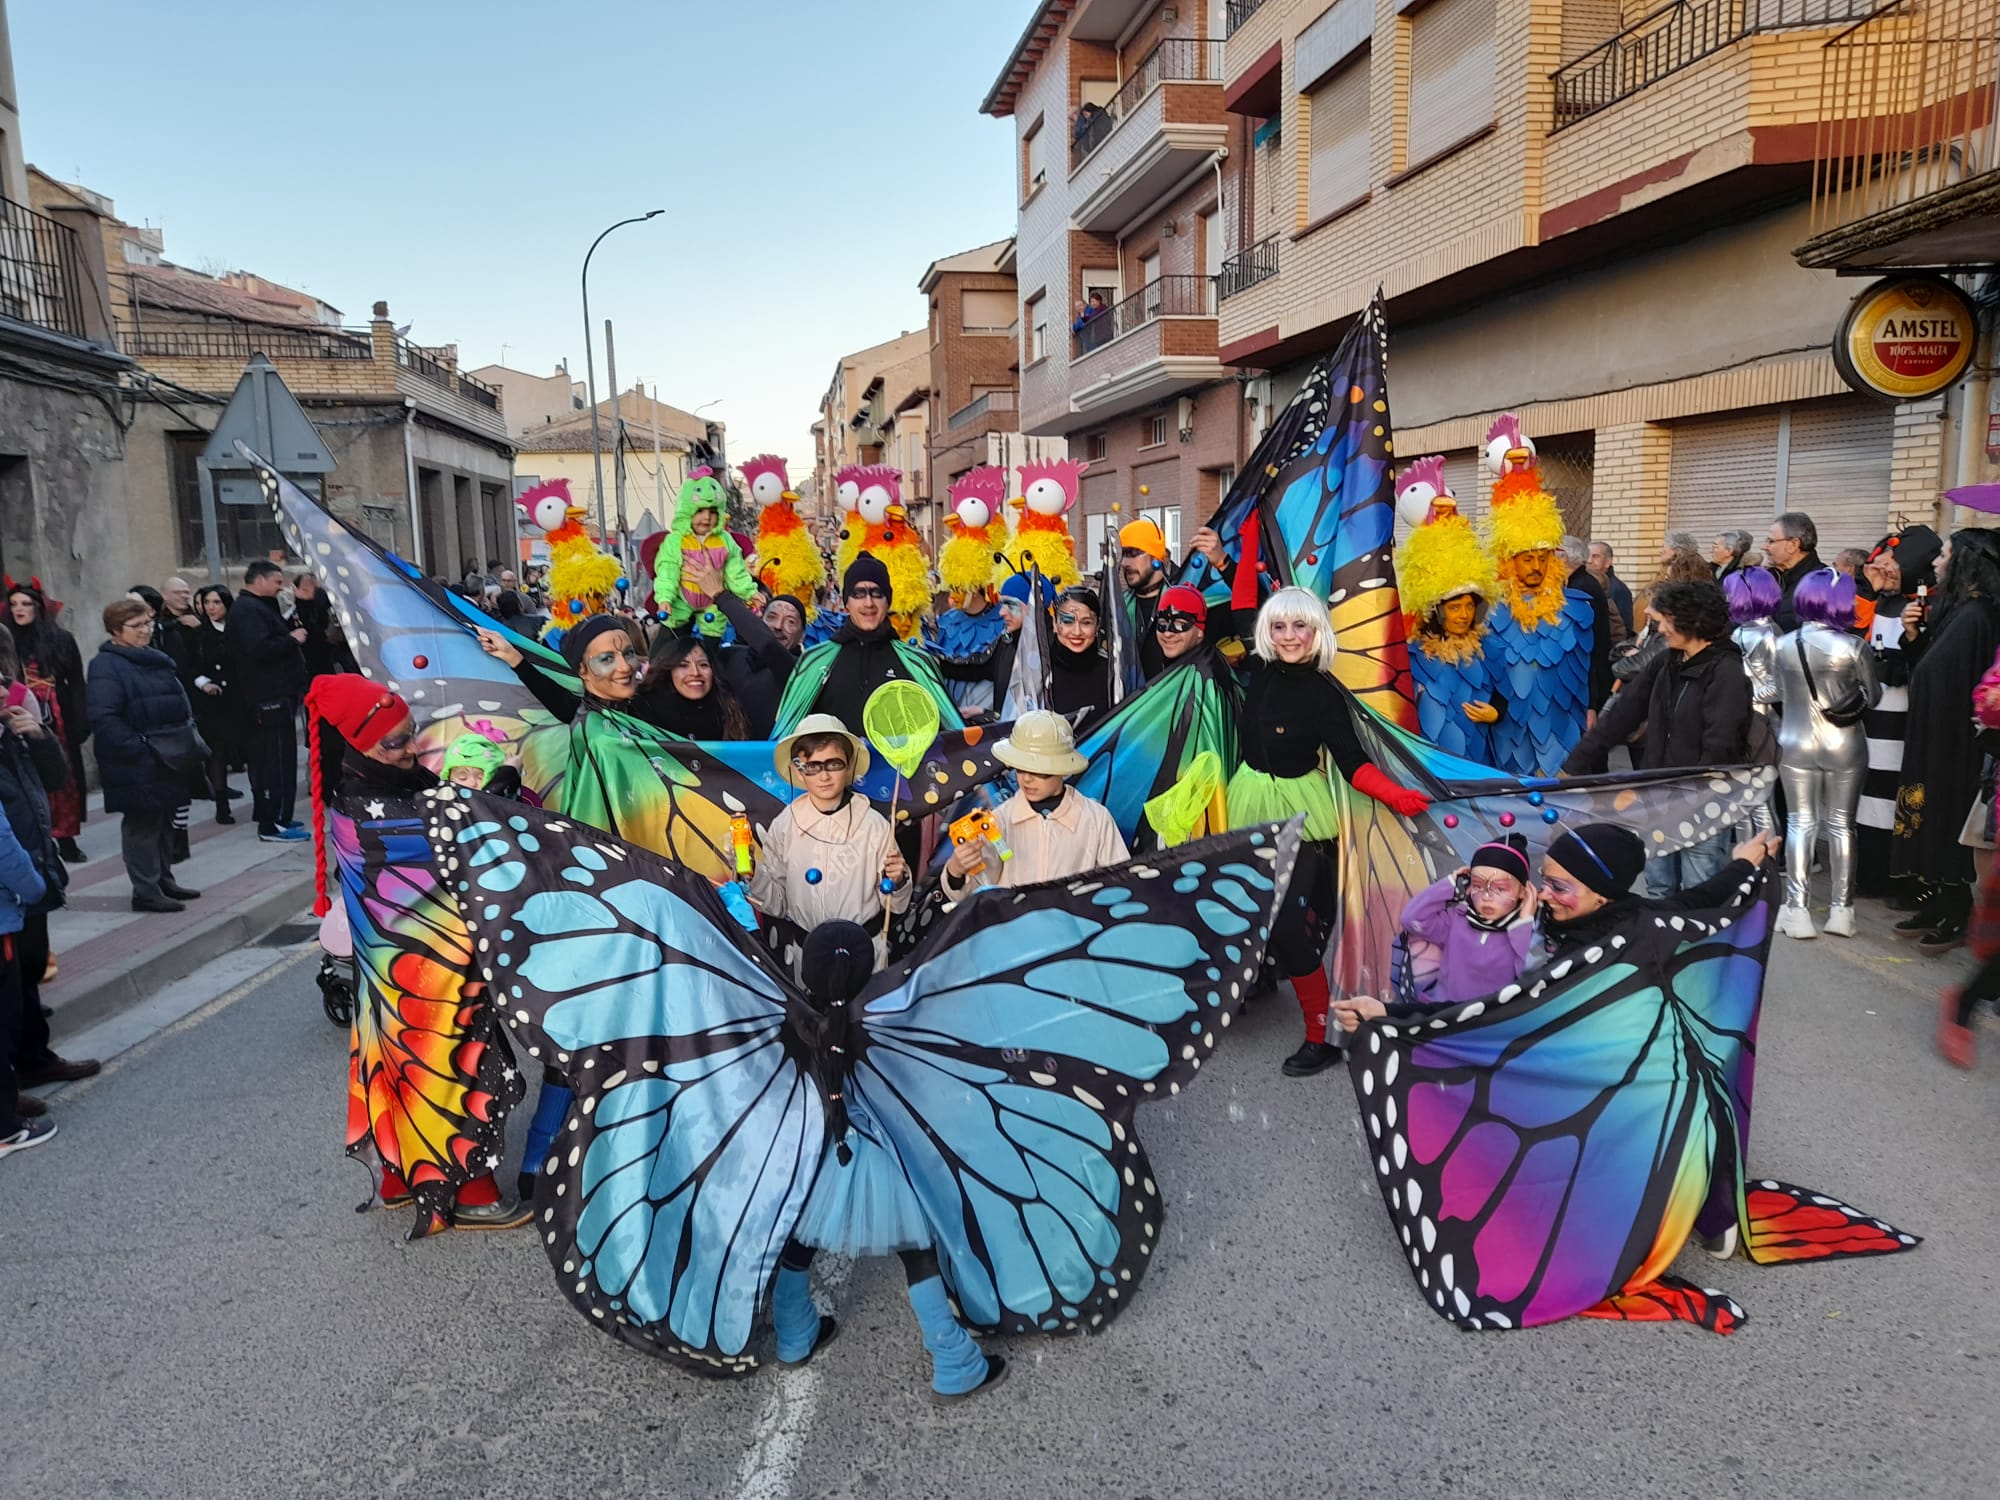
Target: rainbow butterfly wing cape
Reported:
[(1545, 1152)]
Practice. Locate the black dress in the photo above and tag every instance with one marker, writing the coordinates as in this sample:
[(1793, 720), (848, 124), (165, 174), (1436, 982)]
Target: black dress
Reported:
[(1079, 682)]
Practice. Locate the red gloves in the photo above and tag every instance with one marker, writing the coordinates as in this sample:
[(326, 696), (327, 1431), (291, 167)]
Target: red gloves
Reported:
[(1402, 800)]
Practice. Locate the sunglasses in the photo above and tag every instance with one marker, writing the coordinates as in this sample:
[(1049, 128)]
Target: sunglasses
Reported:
[(1174, 624), (867, 591), (604, 661), (818, 767), (396, 741)]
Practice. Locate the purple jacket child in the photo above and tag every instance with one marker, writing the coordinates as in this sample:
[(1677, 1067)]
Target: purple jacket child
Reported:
[(1456, 953)]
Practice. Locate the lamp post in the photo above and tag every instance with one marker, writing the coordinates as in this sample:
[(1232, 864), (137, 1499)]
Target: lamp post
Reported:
[(590, 365)]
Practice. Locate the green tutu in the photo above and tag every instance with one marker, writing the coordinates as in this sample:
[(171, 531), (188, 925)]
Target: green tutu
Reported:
[(1255, 797)]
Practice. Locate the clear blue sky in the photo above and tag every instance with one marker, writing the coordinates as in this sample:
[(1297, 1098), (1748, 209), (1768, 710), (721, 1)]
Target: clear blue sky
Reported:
[(456, 157)]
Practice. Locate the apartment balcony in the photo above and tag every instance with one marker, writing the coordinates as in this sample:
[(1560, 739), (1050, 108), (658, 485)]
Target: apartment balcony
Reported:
[(1155, 343), (1165, 123), (41, 272), (981, 406), (1907, 167), (1677, 36), (1246, 268), (1236, 13)]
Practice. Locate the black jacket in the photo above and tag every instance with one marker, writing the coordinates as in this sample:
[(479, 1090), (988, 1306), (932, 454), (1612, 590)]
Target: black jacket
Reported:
[(756, 667), (32, 766), (1585, 582), (1695, 711), (263, 659), (1567, 939), (1784, 617), (134, 692)]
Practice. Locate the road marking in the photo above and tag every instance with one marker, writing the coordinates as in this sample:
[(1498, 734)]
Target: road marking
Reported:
[(783, 1427)]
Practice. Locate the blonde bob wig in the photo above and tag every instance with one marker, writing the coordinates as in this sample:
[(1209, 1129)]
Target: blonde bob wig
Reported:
[(1295, 603)]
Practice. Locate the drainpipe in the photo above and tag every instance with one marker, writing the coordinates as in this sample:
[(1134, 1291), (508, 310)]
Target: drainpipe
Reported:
[(410, 479)]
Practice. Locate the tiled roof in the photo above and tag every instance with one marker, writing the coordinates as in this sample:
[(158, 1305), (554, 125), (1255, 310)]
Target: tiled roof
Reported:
[(173, 289)]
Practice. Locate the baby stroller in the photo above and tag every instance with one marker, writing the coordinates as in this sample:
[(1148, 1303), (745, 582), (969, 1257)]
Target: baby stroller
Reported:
[(336, 977)]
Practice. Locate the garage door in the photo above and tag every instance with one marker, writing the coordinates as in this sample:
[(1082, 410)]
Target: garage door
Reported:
[(1839, 470), (1724, 475)]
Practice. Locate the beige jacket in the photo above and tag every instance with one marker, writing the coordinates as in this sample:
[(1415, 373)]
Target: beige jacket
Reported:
[(847, 850), (1078, 835)]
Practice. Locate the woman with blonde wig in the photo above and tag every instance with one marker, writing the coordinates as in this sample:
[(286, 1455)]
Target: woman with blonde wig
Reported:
[(1294, 720)]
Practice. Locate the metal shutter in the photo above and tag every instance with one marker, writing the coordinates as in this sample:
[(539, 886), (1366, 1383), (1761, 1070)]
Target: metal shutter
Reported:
[(1724, 474), (1461, 477), (1451, 74), (1339, 171), (1838, 472)]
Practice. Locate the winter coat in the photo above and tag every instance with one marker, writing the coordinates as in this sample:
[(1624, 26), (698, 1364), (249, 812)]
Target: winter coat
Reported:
[(263, 659), (1941, 760), (20, 886), (1472, 961), (224, 717), (1695, 711), (32, 766), (134, 692)]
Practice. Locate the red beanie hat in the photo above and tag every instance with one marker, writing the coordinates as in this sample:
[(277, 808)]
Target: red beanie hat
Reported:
[(1183, 599), (363, 712)]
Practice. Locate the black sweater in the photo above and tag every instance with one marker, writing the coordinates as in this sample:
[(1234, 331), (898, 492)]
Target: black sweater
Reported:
[(1288, 713), (1079, 681), (1567, 939)]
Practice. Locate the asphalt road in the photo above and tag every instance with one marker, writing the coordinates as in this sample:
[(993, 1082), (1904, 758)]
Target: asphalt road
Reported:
[(195, 1308)]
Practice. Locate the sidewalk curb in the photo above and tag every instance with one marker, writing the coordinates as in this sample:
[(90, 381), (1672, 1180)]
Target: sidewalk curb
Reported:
[(148, 970)]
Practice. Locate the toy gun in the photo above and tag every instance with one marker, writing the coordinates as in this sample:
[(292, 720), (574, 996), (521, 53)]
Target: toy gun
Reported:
[(739, 835), (981, 824)]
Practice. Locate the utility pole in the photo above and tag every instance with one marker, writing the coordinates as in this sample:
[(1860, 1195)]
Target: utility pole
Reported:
[(659, 468), (617, 438)]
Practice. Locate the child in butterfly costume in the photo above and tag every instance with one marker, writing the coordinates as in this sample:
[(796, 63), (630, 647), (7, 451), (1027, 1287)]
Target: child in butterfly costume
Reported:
[(983, 1092), (1546, 1151), (1469, 934), (1539, 644)]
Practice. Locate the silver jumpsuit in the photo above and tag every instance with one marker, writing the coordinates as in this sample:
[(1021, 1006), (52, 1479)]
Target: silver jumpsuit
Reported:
[(1758, 641), (1822, 765)]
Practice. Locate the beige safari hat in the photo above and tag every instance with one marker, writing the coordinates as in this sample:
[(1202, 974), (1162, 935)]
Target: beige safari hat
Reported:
[(1042, 743), (813, 724)]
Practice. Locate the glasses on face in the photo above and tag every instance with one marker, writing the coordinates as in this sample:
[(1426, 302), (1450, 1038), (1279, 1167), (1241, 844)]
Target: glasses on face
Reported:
[(1500, 887), (1174, 624), (397, 741), (603, 663), (818, 767), (867, 591), (1130, 554)]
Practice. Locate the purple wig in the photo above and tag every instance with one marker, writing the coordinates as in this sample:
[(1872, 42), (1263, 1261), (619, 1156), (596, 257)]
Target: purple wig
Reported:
[(1753, 594), (1825, 597)]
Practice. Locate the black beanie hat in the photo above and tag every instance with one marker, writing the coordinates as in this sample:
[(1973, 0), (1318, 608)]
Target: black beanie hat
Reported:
[(1508, 854), (837, 961), (1604, 856), (576, 640), (867, 568)]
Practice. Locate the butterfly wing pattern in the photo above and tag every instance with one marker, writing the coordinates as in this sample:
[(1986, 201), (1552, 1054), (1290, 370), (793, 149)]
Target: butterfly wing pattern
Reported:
[(1543, 1153), (697, 1125), (1003, 1062), (429, 1085), (409, 635), (1141, 748)]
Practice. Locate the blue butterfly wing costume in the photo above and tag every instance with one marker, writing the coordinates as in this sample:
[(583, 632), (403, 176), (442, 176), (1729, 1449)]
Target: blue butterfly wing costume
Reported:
[(998, 1068)]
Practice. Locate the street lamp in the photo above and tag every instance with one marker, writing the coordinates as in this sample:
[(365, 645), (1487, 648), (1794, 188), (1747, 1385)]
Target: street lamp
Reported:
[(590, 367)]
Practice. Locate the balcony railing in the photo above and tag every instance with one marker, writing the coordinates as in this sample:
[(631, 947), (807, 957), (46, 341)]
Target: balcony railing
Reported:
[(41, 271), (1907, 109), (1236, 13), (1176, 59), (1168, 297), (1247, 267), (238, 341), (979, 406), (479, 391), (421, 361), (1672, 38)]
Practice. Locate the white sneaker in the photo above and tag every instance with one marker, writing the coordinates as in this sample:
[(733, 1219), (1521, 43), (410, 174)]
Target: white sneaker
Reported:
[(1839, 922), (1722, 1245), (1796, 922), (30, 1133)]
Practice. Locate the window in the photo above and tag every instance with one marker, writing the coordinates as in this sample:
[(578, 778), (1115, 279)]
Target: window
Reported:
[(1096, 447), (1156, 430), (985, 312), (1149, 281), (246, 531), (1038, 327), (1168, 519), (1034, 171), (1211, 254), (1451, 75), (1337, 174)]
